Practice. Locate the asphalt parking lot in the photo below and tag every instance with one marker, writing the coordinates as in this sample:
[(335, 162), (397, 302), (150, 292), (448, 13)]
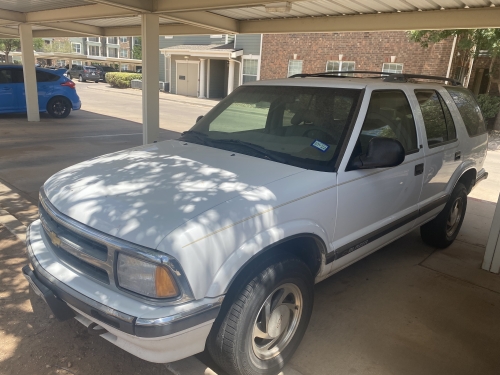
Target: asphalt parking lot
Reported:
[(407, 309)]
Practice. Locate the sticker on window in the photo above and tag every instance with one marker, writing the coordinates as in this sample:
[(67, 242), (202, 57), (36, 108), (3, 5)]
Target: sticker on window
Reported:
[(323, 147)]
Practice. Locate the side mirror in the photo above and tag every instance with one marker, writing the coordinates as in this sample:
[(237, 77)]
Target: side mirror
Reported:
[(382, 153), (199, 118)]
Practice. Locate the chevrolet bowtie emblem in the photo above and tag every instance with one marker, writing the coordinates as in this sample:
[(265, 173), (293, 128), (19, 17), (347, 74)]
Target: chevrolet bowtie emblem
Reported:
[(55, 240)]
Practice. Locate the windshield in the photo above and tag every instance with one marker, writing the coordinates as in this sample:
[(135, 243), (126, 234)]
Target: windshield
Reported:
[(301, 126)]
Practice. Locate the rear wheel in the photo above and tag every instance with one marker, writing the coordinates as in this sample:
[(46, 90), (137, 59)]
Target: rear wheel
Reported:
[(442, 231), (59, 107), (81, 79), (266, 321)]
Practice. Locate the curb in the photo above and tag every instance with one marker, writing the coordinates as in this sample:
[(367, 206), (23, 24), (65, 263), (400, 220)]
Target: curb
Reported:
[(168, 99)]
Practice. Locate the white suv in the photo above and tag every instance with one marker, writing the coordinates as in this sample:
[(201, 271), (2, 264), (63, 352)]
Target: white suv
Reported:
[(216, 239)]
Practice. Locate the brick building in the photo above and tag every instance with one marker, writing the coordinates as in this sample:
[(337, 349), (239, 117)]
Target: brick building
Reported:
[(283, 54)]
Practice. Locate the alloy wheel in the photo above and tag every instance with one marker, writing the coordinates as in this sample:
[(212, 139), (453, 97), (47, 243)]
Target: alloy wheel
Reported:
[(454, 217), (277, 321)]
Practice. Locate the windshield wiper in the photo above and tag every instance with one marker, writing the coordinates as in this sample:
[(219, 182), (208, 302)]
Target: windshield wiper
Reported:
[(261, 150), (198, 135)]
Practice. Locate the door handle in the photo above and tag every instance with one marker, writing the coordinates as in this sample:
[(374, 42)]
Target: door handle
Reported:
[(419, 169), (458, 155)]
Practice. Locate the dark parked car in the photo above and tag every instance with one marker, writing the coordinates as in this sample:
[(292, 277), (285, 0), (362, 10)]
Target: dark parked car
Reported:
[(84, 73), (102, 70)]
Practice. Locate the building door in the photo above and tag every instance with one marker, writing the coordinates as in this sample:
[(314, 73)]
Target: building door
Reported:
[(187, 78)]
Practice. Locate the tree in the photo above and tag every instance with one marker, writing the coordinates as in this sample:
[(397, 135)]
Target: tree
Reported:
[(9, 45), (38, 44), (469, 41), (137, 49)]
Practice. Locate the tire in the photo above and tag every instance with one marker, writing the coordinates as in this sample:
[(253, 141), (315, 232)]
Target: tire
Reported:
[(233, 343), (81, 79), (59, 107), (442, 230), (96, 81)]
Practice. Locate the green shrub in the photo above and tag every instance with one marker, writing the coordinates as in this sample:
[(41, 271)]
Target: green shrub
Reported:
[(490, 105), (121, 80)]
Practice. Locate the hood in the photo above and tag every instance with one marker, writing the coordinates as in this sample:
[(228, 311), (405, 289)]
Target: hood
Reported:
[(144, 193)]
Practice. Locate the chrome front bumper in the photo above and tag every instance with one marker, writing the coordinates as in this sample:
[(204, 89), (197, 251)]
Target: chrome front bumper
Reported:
[(186, 316)]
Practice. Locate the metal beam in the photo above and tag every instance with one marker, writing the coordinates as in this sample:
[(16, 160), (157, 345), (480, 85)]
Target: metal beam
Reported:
[(74, 27), (9, 15), (51, 33), (164, 30), (85, 12), (9, 31), (135, 5), (190, 5), (206, 20), (427, 20)]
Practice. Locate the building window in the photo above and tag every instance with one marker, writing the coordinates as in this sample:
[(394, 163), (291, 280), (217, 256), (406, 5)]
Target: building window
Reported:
[(294, 67), (123, 39), (76, 62), (60, 62), (392, 68), (112, 40), (112, 52), (250, 70), (76, 47), (92, 39), (123, 67), (94, 51), (123, 53), (341, 66)]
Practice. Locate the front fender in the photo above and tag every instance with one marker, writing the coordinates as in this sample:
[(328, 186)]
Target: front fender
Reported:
[(263, 241)]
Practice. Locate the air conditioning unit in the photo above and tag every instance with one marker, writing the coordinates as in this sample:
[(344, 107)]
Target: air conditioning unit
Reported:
[(164, 86), (136, 84)]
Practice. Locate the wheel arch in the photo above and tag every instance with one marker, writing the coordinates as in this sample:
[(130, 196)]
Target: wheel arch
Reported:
[(308, 247), (467, 178)]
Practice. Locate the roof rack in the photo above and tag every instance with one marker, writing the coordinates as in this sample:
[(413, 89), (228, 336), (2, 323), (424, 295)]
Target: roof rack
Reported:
[(389, 77)]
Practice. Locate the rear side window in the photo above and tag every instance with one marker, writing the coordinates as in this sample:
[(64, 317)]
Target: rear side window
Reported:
[(5, 76), (45, 77), (438, 122), (389, 115), (469, 110)]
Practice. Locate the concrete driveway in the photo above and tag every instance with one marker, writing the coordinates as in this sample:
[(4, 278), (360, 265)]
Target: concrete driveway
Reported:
[(407, 309)]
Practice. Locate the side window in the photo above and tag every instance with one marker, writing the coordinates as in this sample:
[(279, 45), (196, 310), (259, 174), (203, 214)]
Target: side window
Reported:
[(438, 122), (17, 76), (5, 76), (389, 115), (45, 77), (469, 110)]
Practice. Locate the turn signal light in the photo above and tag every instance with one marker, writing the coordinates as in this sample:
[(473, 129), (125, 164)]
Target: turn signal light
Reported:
[(165, 286)]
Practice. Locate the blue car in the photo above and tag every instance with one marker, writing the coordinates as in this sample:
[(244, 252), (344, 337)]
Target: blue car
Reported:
[(56, 93)]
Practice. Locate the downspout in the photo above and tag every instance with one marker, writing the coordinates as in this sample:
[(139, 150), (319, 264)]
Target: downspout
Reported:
[(452, 55)]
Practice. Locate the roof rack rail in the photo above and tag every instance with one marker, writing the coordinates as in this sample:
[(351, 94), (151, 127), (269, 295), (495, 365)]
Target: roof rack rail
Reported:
[(389, 77)]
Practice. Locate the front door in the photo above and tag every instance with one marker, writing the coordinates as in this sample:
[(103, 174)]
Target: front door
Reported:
[(187, 78), (377, 205), (7, 97)]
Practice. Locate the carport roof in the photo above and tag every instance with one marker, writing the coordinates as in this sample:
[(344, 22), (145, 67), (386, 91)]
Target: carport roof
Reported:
[(54, 18)]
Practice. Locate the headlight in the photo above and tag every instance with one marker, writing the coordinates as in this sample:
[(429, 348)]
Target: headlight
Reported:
[(148, 279)]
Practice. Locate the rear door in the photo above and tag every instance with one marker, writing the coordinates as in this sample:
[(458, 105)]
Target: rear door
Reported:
[(7, 94), (45, 84), (441, 148), (376, 206)]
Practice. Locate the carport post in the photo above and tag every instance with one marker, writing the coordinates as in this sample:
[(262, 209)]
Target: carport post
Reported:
[(29, 72), (150, 77), (491, 260), (230, 78)]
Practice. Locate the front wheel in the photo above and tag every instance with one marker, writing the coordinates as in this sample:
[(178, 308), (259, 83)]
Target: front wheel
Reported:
[(442, 231), (59, 107), (266, 321)]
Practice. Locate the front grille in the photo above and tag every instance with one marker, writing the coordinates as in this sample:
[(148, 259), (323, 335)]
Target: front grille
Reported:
[(75, 250)]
